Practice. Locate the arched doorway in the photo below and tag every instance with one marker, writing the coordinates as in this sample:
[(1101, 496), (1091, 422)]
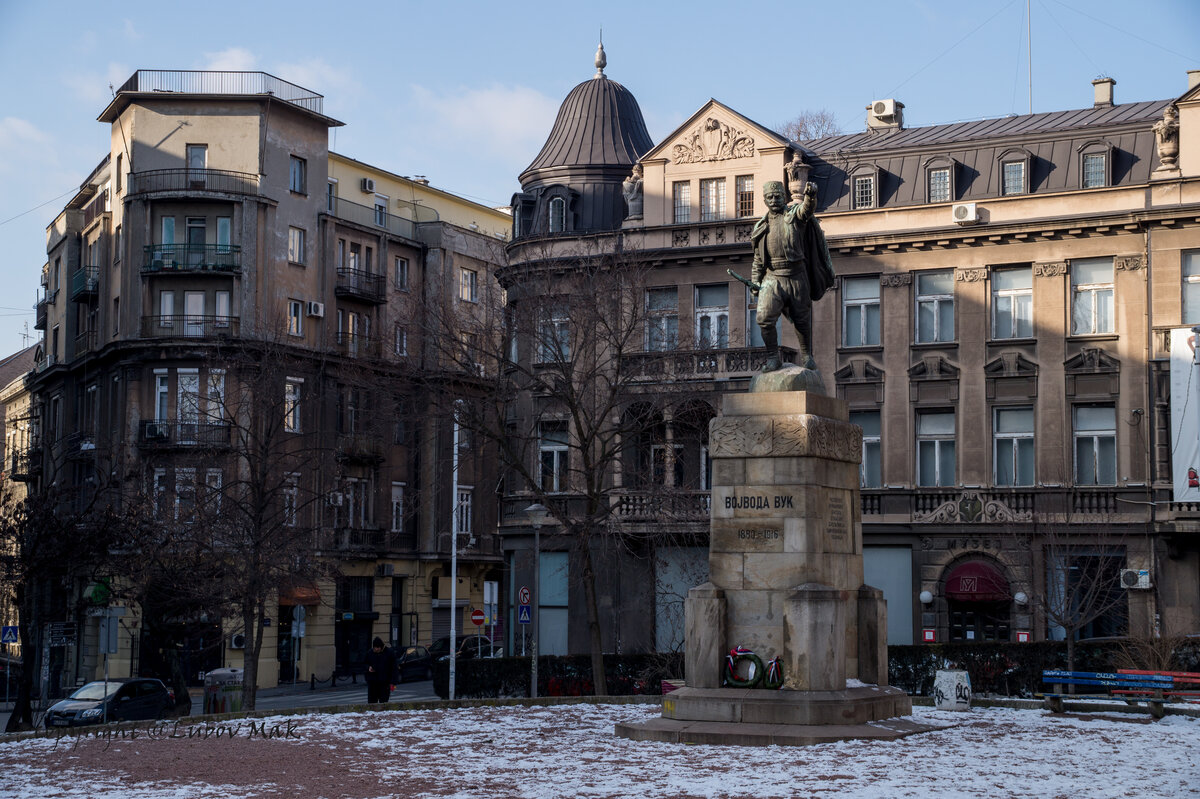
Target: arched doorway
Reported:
[(978, 601)]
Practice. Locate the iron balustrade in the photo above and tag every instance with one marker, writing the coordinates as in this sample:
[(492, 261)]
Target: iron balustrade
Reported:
[(191, 81), (359, 446), (357, 345), (220, 181), (98, 205), (361, 284), (682, 363), (177, 433), (189, 326), (86, 342), (192, 258), (85, 280), (367, 216)]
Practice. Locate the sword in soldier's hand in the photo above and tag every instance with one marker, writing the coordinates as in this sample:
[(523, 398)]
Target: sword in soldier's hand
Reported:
[(755, 287)]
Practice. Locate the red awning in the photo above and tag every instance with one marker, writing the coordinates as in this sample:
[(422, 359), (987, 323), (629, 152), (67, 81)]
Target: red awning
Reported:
[(299, 592), (976, 581)]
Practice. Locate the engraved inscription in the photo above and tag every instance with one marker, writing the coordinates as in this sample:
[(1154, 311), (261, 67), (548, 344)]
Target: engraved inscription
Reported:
[(838, 522), (757, 534)]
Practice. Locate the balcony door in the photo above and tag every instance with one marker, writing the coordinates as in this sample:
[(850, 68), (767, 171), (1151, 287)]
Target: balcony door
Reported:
[(197, 233), (193, 308)]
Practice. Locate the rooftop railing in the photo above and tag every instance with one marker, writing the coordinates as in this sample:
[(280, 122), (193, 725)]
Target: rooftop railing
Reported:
[(372, 217), (187, 81), (221, 181)]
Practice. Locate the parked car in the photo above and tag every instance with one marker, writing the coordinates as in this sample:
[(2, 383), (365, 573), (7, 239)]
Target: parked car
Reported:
[(414, 663), (469, 646), (126, 699)]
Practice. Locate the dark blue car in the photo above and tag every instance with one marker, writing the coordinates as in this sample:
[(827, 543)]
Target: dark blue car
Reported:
[(126, 699)]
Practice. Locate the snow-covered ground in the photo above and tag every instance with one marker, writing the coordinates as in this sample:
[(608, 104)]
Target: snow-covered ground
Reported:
[(570, 750)]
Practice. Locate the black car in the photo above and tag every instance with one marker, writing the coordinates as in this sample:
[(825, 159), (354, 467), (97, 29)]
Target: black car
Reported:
[(414, 663), (469, 646), (126, 699)]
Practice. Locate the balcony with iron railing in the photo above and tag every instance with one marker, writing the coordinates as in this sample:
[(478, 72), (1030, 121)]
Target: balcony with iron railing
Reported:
[(155, 434), (189, 326), (41, 308), (960, 505), (367, 216), (85, 282), (192, 259), (188, 81), (362, 285), (98, 206), (357, 345), (193, 181), (86, 342), (674, 364), (361, 447), (25, 464)]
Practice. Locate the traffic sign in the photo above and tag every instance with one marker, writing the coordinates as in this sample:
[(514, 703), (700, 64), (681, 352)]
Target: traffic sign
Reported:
[(523, 595), (524, 614), (478, 617), (9, 636)]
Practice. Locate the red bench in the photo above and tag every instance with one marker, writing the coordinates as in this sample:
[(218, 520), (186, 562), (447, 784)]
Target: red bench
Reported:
[(1177, 688)]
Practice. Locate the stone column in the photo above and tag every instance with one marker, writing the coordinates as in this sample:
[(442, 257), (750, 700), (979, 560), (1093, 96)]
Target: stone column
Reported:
[(704, 628)]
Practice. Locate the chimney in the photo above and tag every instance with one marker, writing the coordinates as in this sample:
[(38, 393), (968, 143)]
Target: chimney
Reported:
[(1104, 92), (1193, 78)]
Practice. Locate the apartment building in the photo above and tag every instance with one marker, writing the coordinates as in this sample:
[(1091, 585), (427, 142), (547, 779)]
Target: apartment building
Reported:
[(219, 242)]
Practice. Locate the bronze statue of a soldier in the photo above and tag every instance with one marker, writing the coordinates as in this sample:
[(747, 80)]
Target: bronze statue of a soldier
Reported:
[(792, 269)]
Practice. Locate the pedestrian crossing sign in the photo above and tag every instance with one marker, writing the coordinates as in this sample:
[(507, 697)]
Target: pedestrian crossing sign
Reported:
[(524, 616), (9, 636)]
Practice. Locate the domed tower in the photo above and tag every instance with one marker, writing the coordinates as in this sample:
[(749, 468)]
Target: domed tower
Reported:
[(574, 184)]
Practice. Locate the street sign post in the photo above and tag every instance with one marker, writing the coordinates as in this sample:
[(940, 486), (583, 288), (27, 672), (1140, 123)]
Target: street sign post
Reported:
[(524, 614)]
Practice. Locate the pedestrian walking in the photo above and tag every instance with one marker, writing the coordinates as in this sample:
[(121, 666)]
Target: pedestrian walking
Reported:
[(381, 666)]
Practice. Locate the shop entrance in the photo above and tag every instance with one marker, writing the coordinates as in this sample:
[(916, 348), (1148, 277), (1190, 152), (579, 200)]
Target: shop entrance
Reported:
[(978, 602)]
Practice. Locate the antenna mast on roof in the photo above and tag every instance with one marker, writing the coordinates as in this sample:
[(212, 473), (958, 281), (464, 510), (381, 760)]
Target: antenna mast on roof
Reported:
[(1029, 42)]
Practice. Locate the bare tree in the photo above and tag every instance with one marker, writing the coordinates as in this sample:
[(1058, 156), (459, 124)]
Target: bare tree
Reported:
[(808, 125)]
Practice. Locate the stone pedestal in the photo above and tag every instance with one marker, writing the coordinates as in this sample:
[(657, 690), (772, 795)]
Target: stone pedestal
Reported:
[(786, 581)]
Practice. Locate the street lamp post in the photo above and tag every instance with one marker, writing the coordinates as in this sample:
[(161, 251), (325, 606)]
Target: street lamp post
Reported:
[(537, 514)]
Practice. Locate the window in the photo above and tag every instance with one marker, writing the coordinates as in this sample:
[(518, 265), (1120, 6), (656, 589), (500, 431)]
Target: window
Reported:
[(222, 308), (558, 215), (197, 156), (712, 316), (162, 396), (939, 185), (745, 195), (462, 510), (357, 501), (216, 396), (1091, 296), (355, 255), (401, 274), (381, 210), (331, 195), (712, 199), (116, 315), (158, 488), (295, 318), (212, 490), (1095, 171), (224, 234), (168, 230), (1013, 439), (870, 471), (1012, 303), (57, 274), (291, 498), (1013, 177), (291, 404), (860, 312), (666, 460), (468, 286), (935, 449), (295, 245), (864, 192), (554, 333), (935, 307), (1191, 286), (552, 447), (298, 176), (166, 308), (1095, 445), (120, 172), (397, 507), (185, 495), (662, 319), (400, 341), (369, 260), (681, 197)]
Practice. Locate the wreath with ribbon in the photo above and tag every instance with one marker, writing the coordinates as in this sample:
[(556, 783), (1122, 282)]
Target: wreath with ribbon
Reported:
[(773, 679), (754, 674)]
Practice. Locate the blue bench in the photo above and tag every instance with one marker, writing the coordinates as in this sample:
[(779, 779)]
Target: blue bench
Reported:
[(1115, 682)]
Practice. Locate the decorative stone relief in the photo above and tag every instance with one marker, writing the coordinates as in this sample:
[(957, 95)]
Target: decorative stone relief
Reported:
[(971, 507), (1129, 263), (741, 233), (896, 280), (712, 235), (784, 436), (713, 140), (1050, 269), (970, 275), (681, 238)]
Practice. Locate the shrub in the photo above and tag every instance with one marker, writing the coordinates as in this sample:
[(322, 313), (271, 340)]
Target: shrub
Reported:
[(568, 675)]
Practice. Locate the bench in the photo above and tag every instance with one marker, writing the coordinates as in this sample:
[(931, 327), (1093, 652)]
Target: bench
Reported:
[(1181, 681), (1151, 684)]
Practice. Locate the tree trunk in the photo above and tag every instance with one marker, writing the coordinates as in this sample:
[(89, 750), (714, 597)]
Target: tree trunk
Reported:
[(21, 717), (252, 624), (1070, 656), (599, 680)]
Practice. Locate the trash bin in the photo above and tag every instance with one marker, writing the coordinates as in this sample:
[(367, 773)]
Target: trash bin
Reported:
[(223, 691), (952, 689)]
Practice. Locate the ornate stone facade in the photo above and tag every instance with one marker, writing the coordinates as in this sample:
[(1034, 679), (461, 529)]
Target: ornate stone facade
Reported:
[(713, 140)]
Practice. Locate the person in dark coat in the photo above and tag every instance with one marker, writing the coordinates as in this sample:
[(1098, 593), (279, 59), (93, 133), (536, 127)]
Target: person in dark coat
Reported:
[(381, 667)]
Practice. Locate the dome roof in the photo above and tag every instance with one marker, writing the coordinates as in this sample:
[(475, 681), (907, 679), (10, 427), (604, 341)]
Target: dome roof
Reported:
[(599, 124)]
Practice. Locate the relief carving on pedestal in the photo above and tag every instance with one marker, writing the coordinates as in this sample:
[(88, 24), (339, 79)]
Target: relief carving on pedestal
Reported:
[(784, 436), (713, 140)]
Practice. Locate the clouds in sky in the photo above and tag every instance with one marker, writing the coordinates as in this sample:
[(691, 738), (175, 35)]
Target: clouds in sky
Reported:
[(498, 119)]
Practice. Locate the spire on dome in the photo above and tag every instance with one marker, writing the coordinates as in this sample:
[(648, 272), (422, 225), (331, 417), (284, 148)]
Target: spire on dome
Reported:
[(601, 60)]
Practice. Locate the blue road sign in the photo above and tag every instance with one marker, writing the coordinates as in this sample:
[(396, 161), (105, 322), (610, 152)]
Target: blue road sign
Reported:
[(9, 636), (524, 614)]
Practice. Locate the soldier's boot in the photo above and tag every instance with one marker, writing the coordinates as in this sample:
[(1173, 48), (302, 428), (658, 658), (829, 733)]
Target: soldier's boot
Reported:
[(771, 340)]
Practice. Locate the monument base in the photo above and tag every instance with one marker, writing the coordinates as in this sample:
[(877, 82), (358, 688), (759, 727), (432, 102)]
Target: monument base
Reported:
[(788, 378), (752, 717)]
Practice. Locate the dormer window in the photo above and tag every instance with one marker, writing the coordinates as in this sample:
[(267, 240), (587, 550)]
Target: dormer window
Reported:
[(1095, 159), (1014, 171), (940, 172), (558, 215), (1014, 177), (864, 187)]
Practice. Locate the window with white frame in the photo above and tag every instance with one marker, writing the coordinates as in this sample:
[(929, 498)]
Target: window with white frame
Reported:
[(744, 186), (667, 460), (400, 274), (291, 499), (712, 316), (358, 502), (400, 341), (1091, 296), (1094, 170), (296, 245), (552, 450), (554, 333), (185, 495), (331, 195), (1012, 439), (681, 200), (558, 215), (468, 287), (354, 260), (935, 306), (712, 199), (188, 401), (860, 312), (291, 404), (1095, 434), (864, 191), (398, 507), (222, 308), (162, 396), (298, 175), (939, 184), (662, 319), (463, 509), (870, 471), (1012, 303), (197, 156), (935, 448), (1191, 286), (211, 496), (216, 397), (381, 210), (1013, 177), (158, 491), (295, 318), (166, 308), (224, 234)]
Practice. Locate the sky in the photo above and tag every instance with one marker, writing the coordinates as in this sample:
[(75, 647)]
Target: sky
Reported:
[(465, 93)]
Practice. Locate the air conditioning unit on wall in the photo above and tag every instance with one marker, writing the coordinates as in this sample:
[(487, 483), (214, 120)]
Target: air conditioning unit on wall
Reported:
[(1135, 578), (368, 185), (884, 109), (237, 641), (316, 309), (965, 214)]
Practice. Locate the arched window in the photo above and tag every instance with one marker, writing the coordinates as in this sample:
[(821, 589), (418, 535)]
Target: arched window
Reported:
[(558, 215)]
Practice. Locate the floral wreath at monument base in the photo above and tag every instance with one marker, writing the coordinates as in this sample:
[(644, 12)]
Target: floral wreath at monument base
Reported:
[(770, 676)]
